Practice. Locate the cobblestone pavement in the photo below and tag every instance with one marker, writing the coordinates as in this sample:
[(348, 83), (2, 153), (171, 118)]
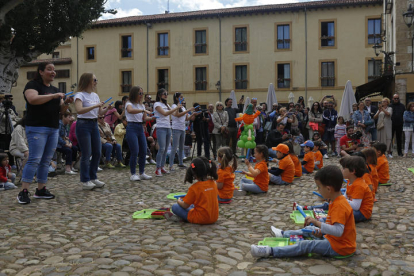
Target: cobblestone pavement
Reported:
[(93, 232)]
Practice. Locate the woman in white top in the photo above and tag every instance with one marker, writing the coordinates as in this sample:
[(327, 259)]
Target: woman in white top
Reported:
[(178, 130), (89, 107), (137, 142), (163, 111), (221, 121)]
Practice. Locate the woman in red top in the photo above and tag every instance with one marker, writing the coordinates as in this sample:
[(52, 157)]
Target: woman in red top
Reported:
[(225, 181)]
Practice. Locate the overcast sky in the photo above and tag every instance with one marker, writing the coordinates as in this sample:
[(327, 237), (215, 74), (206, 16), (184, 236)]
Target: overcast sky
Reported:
[(146, 7)]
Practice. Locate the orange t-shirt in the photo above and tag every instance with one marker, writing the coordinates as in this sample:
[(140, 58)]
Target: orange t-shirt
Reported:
[(226, 176), (286, 164), (360, 190), (383, 169), (318, 157), (298, 166), (203, 195), (262, 180), (310, 159), (341, 212), (374, 176)]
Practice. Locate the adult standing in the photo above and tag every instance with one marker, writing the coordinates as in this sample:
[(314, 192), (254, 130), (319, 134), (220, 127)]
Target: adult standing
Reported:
[(362, 122), (210, 113), (163, 111), (44, 102), (232, 126), (136, 115), (179, 117), (397, 121), (330, 117), (372, 110), (200, 127), (384, 126), (408, 127), (301, 101), (89, 107), (316, 119), (221, 121), (305, 124)]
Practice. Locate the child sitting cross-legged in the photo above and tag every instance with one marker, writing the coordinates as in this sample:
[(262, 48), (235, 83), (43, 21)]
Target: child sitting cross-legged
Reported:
[(382, 163), (260, 183), (318, 155), (285, 174), (335, 237), (6, 176), (295, 159), (358, 194), (200, 205), (371, 159), (308, 163), (225, 181)]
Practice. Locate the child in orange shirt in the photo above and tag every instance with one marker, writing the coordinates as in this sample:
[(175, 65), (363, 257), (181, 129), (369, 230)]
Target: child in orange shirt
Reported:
[(382, 163), (335, 237), (200, 205), (308, 163), (358, 193), (225, 181), (318, 155), (371, 159), (260, 183), (285, 174), (295, 159)]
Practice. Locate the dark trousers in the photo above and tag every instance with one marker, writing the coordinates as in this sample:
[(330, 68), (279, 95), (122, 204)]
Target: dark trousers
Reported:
[(232, 138), (70, 153), (203, 138), (260, 138), (397, 129)]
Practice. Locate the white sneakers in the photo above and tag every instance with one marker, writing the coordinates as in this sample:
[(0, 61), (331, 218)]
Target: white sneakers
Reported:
[(326, 156), (276, 232), (143, 176), (70, 172), (134, 177), (98, 184), (87, 185)]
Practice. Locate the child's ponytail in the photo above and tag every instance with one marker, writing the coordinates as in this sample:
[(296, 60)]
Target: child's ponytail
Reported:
[(227, 156), (200, 168), (234, 165)]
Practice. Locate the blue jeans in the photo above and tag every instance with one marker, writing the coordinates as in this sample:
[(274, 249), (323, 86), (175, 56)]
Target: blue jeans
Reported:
[(272, 153), (324, 151), (137, 143), (224, 199), (373, 131), (89, 142), (178, 141), (277, 179), (9, 185), (319, 246), (324, 206), (164, 139), (358, 216), (180, 211), (304, 171), (42, 145), (249, 186), (110, 149)]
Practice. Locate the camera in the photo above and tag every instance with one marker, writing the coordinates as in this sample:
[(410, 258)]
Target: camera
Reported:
[(7, 102), (356, 136)]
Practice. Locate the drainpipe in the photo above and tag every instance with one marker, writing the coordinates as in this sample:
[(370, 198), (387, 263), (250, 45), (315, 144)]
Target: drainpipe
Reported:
[(148, 26), (220, 57), (306, 57), (77, 59)]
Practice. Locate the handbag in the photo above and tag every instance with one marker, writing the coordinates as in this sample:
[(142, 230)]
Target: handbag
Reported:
[(314, 126), (380, 124)]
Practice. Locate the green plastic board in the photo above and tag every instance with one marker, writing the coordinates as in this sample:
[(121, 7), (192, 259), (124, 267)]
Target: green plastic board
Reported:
[(274, 242), (411, 170), (298, 218), (344, 257), (143, 214), (385, 184), (171, 196)]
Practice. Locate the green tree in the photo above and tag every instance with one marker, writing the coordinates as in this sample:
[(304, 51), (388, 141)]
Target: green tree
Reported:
[(29, 28)]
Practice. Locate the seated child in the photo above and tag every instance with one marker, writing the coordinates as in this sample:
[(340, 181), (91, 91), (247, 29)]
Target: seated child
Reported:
[(382, 163), (308, 163), (285, 174), (367, 175), (225, 181), (295, 159), (358, 193), (318, 155), (200, 205), (260, 183), (6, 176), (371, 159), (336, 237), (323, 148)]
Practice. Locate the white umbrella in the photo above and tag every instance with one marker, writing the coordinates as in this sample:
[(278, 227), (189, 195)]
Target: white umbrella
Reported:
[(291, 97), (246, 103), (233, 97), (271, 97), (348, 99)]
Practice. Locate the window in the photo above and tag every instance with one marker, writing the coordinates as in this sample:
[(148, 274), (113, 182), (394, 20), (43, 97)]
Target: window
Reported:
[(328, 73), (126, 46), (374, 69), (163, 48), (374, 31), (62, 73), (200, 42), (240, 41), (90, 53), (126, 81), (62, 87), (200, 78), (162, 79), (283, 36), (328, 34), (56, 55), (283, 75), (241, 77)]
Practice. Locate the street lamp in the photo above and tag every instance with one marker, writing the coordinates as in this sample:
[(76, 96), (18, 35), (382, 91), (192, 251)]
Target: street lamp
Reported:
[(408, 19)]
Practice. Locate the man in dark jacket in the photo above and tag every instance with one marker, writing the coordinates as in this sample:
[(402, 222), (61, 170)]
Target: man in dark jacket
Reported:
[(397, 121), (372, 109), (232, 126), (275, 137), (330, 117)]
